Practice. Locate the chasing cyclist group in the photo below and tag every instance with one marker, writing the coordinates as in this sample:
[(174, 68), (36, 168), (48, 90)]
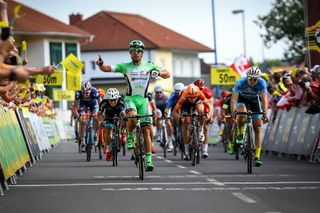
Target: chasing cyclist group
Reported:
[(249, 92)]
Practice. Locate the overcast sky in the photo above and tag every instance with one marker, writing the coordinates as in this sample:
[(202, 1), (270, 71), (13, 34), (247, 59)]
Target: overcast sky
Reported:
[(192, 18)]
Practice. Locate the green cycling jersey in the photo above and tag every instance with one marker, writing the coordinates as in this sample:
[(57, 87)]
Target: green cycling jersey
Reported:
[(138, 76)]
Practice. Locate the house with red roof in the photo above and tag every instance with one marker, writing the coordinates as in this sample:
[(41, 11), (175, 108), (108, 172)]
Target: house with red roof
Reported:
[(113, 32)]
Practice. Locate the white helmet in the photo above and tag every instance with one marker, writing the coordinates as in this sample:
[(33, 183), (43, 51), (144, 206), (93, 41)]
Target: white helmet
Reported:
[(178, 86), (158, 88), (253, 72), (112, 93), (86, 86)]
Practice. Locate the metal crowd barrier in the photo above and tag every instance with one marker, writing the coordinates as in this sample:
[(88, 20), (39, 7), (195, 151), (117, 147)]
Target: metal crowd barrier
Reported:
[(24, 137), (292, 132)]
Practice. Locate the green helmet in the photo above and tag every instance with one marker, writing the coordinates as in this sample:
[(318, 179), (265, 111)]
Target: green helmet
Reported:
[(136, 45)]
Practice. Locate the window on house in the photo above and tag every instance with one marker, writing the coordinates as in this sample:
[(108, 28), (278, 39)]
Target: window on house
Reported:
[(55, 52), (93, 65), (162, 63), (71, 48)]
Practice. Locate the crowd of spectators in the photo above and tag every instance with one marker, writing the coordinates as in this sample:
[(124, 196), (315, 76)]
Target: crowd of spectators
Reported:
[(297, 87), (17, 87)]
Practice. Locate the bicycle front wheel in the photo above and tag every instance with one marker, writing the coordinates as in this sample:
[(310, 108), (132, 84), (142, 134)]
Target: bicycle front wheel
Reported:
[(140, 155), (249, 154), (164, 142)]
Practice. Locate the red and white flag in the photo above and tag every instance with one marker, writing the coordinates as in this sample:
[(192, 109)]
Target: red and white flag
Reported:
[(240, 65)]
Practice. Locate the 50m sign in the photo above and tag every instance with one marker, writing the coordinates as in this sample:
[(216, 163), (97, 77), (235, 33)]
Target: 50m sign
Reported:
[(223, 76), (55, 79)]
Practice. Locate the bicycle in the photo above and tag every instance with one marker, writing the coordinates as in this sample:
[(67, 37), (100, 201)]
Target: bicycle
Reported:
[(195, 146), (164, 139), (89, 136), (178, 143), (248, 147), (115, 141), (139, 141)]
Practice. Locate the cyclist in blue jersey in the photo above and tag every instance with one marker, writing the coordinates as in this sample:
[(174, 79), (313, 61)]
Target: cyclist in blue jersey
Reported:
[(161, 99), (173, 100), (85, 98), (247, 93)]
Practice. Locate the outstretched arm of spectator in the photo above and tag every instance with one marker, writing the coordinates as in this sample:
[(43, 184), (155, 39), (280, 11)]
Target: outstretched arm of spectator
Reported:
[(312, 94), (36, 70)]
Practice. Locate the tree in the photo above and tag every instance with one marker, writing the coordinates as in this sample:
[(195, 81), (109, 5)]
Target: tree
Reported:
[(285, 22)]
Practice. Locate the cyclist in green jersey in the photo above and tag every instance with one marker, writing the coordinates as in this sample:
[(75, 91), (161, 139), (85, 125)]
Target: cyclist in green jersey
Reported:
[(137, 74)]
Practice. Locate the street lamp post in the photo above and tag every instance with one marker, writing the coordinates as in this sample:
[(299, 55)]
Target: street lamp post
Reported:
[(243, 28)]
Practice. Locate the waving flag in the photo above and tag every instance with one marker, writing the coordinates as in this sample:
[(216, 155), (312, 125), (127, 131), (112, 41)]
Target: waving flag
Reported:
[(240, 64)]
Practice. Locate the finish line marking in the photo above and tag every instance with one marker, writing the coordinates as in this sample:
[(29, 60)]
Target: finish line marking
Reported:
[(209, 189), (183, 183)]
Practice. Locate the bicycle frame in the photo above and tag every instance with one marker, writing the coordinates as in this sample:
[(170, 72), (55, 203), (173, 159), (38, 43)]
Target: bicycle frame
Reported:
[(89, 136), (165, 140), (139, 148), (249, 145), (195, 146)]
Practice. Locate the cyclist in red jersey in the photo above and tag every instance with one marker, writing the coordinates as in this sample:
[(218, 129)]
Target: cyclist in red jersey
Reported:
[(208, 94)]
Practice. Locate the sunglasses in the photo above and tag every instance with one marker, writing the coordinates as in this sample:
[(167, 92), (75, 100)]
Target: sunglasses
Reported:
[(252, 79), (139, 50), (158, 92), (192, 97), (112, 100)]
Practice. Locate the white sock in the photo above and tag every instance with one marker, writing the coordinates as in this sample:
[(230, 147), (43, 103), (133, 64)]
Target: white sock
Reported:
[(205, 147), (186, 149)]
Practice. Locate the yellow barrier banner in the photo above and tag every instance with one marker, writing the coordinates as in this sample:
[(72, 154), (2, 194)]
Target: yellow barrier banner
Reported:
[(25, 112), (223, 76), (54, 79), (72, 64), (59, 95), (73, 81)]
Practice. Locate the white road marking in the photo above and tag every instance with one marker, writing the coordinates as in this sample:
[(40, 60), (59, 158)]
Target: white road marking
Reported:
[(272, 183), (186, 183), (215, 182), (168, 161), (188, 176), (181, 167), (159, 157), (273, 212), (99, 177), (244, 197), (232, 189), (195, 172)]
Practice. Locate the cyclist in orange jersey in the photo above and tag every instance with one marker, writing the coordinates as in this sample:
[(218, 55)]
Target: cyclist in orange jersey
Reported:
[(191, 100)]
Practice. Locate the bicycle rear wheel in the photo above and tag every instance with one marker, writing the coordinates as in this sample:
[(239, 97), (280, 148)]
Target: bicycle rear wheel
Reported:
[(249, 154)]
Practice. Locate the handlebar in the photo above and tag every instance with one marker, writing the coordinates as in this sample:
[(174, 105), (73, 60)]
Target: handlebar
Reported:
[(139, 116), (249, 113)]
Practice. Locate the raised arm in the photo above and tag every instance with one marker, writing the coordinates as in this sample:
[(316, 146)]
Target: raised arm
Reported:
[(103, 67)]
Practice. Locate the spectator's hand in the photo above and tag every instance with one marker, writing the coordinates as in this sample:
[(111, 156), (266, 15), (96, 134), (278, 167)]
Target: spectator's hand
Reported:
[(49, 70), (19, 74), (24, 62), (265, 118)]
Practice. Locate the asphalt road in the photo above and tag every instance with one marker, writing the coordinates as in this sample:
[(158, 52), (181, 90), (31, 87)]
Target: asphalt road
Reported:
[(64, 182)]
